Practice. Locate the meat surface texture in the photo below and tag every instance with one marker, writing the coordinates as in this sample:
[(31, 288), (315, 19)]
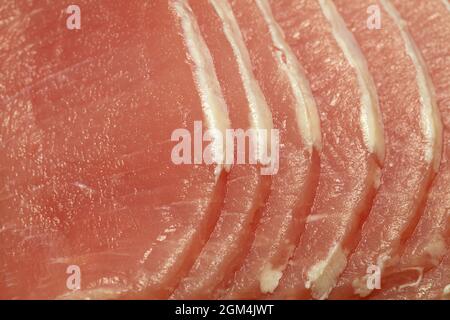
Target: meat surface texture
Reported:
[(225, 149), (293, 187), (349, 160), (413, 140), (86, 171), (246, 187), (429, 25)]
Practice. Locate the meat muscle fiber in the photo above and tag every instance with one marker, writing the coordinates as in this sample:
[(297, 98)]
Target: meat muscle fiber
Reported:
[(87, 178), (293, 187), (246, 188), (349, 161), (412, 148)]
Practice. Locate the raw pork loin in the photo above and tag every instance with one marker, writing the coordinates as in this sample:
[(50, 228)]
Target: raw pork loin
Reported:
[(225, 149)]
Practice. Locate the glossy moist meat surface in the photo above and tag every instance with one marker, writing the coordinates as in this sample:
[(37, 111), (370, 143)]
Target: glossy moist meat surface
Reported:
[(87, 177), (410, 156), (293, 187), (114, 179), (349, 170), (429, 25), (246, 189)]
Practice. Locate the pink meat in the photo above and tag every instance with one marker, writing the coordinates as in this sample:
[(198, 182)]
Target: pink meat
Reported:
[(407, 174), (429, 23), (86, 172), (293, 187), (348, 170), (246, 188)]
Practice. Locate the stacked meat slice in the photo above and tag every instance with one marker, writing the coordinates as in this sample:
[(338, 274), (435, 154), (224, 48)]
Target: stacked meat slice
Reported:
[(416, 277), (412, 150), (115, 172)]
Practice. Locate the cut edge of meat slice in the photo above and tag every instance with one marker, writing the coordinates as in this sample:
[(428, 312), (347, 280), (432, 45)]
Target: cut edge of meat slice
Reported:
[(260, 115), (371, 120), (247, 189), (431, 121), (423, 245), (323, 276), (111, 229), (210, 92), (320, 277), (306, 110), (428, 244), (284, 213), (387, 227), (217, 122)]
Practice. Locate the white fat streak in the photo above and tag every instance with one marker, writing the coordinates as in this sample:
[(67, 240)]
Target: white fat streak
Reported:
[(306, 109), (446, 4), (269, 279), (446, 292), (322, 277), (260, 115), (430, 116), (418, 280), (371, 121), (208, 86), (316, 217)]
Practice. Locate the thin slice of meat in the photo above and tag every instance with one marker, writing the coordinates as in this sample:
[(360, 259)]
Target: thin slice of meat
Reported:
[(352, 145), (87, 178), (295, 116), (413, 142), (434, 285), (429, 24), (247, 189)]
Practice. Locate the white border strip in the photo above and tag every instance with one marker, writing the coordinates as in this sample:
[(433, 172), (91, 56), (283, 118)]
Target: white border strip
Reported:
[(371, 120), (430, 116), (306, 110), (208, 86)]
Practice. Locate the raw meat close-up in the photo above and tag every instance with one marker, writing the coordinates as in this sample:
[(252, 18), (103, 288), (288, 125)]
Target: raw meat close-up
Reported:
[(225, 149)]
